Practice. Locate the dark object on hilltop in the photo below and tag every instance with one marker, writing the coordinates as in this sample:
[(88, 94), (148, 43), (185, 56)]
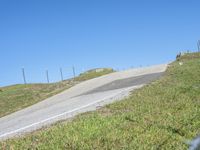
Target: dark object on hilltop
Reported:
[(178, 56), (195, 144)]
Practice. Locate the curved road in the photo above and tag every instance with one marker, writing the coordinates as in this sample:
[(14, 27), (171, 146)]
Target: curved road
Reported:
[(83, 97)]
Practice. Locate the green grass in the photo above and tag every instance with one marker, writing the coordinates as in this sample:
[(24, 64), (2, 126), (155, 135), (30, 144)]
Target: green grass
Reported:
[(162, 115), (94, 73), (14, 98)]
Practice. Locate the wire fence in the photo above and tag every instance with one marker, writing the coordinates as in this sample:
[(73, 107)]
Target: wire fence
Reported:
[(74, 71), (47, 75)]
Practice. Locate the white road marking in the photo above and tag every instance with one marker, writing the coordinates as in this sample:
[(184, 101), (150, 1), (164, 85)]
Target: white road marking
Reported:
[(81, 88), (65, 113)]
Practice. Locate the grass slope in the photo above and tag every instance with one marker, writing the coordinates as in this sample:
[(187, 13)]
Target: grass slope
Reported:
[(162, 115), (94, 73), (14, 98)]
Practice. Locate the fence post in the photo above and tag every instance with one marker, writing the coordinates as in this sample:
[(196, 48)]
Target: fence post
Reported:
[(47, 75), (24, 77), (74, 73), (61, 74), (198, 45)]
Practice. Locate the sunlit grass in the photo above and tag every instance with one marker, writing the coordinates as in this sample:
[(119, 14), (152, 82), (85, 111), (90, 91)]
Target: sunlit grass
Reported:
[(16, 97), (162, 115)]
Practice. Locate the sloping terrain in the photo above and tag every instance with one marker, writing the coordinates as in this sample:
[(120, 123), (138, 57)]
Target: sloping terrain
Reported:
[(162, 115), (17, 97), (83, 97)]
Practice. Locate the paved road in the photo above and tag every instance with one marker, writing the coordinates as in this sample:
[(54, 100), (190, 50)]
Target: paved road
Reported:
[(86, 96), (128, 82)]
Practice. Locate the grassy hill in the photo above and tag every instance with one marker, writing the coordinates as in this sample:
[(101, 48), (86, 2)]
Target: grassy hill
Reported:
[(161, 115), (94, 73), (16, 97)]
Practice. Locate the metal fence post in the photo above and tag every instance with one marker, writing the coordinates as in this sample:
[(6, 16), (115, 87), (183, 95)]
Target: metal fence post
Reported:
[(47, 75), (24, 77), (61, 74), (74, 73), (198, 45)]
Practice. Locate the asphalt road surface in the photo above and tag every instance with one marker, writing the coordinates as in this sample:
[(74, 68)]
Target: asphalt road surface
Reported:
[(83, 97)]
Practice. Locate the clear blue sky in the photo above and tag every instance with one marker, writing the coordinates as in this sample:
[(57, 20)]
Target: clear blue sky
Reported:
[(49, 34)]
